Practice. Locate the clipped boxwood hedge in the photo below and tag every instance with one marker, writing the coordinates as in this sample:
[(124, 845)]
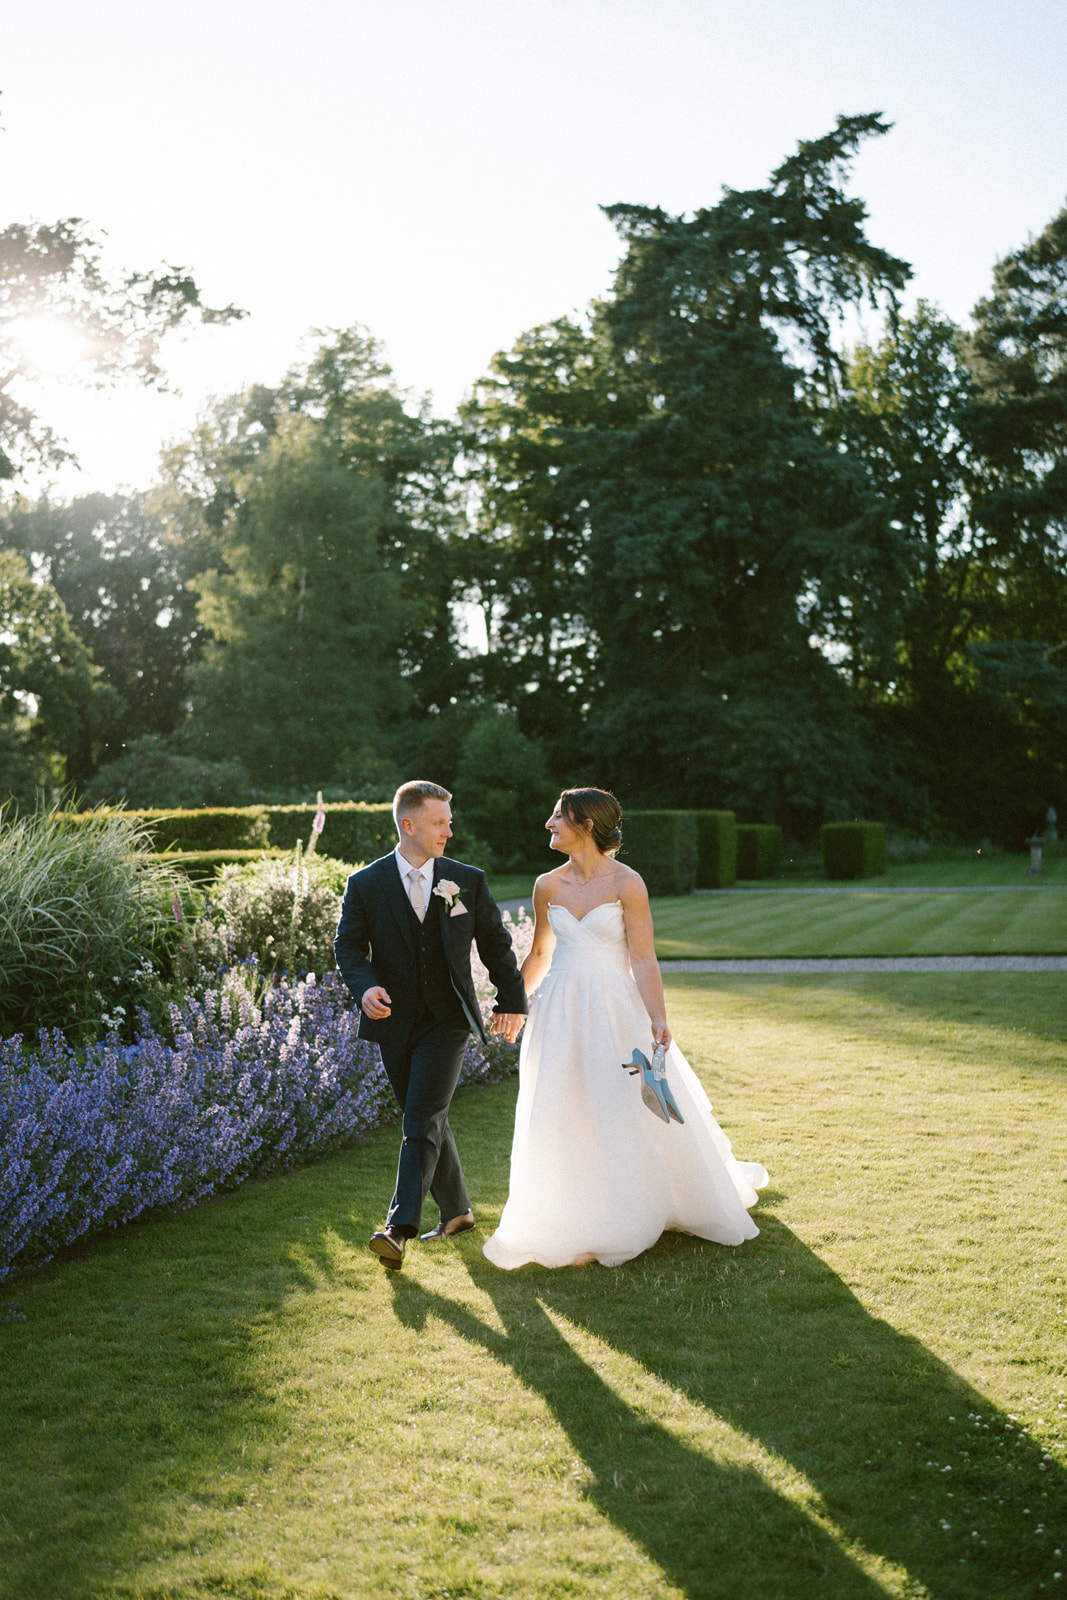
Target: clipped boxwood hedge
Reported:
[(354, 830), (760, 850), (206, 828), (662, 847), (716, 849), (853, 849)]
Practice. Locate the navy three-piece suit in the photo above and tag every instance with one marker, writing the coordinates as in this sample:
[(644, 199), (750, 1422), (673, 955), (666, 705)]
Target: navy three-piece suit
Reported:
[(425, 968)]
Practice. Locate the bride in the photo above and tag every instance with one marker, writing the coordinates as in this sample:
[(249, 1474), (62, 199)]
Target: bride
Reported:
[(595, 1176)]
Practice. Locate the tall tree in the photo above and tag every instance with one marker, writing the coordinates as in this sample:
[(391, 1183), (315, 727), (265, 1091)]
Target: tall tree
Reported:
[(1018, 422), (317, 516), (51, 697), (714, 534), (899, 413), (126, 594), (963, 436), (525, 562)]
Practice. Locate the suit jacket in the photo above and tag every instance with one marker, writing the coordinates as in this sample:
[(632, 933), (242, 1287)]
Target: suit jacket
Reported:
[(374, 944)]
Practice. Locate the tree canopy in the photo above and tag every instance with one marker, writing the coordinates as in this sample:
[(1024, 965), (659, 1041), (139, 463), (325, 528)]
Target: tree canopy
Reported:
[(671, 459), (314, 515), (723, 558), (125, 590), (52, 699)]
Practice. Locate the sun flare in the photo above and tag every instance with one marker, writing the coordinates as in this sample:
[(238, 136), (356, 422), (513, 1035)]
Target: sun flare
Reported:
[(50, 346)]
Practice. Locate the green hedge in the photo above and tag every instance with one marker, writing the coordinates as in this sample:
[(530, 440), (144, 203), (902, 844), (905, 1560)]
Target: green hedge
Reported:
[(662, 847), (202, 865), (760, 850), (206, 828), (354, 830), (716, 849), (853, 849)]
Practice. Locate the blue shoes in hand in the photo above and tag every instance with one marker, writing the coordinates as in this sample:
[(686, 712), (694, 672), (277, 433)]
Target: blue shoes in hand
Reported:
[(655, 1090)]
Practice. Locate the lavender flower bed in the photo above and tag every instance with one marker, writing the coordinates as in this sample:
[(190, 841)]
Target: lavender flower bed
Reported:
[(92, 1140)]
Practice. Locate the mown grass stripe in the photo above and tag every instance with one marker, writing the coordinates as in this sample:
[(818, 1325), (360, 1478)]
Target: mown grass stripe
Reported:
[(867, 924)]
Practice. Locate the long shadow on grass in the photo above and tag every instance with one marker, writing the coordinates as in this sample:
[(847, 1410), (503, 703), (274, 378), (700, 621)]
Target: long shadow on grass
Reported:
[(132, 1414), (772, 1342), (682, 1507)]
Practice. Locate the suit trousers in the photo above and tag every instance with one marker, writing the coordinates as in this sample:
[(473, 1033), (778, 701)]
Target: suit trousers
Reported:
[(423, 1073)]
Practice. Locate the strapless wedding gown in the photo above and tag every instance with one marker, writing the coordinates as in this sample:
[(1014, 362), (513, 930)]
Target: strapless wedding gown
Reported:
[(593, 1171)]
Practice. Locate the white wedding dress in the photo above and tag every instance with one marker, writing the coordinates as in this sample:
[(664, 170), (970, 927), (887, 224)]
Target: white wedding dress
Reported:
[(593, 1171)]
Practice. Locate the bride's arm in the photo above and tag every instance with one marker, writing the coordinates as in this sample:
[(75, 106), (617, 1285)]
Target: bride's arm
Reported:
[(643, 963), (539, 959)]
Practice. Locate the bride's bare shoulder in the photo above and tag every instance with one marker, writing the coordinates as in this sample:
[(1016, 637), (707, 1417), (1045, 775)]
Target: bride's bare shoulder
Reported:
[(630, 884)]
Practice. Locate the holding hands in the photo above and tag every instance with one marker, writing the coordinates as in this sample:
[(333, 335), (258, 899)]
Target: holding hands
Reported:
[(507, 1024)]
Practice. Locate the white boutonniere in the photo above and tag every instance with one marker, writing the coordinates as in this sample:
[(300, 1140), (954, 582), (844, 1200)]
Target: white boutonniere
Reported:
[(449, 892)]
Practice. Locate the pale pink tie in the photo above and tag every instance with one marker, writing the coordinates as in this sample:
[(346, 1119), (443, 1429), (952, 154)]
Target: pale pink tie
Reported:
[(418, 894)]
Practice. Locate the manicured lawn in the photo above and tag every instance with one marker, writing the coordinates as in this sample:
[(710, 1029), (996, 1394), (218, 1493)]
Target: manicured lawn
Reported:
[(868, 1400), (515, 885), (974, 867), (865, 922), (963, 869)]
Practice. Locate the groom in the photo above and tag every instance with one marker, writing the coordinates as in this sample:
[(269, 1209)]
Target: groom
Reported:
[(403, 947)]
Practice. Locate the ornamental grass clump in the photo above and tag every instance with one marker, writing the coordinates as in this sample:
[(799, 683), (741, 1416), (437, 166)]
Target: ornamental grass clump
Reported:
[(87, 927)]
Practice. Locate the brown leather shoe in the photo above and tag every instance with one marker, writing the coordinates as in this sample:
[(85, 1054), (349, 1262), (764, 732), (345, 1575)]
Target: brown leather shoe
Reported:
[(448, 1230), (388, 1246)]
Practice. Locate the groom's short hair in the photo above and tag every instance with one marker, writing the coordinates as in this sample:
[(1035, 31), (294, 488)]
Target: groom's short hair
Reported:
[(410, 796)]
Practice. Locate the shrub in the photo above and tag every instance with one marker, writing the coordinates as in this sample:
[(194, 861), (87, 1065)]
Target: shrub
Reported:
[(201, 866), (87, 922), (93, 1139), (149, 774), (279, 911), (354, 831), (662, 847), (760, 850), (503, 793), (716, 849), (853, 849), (91, 1142)]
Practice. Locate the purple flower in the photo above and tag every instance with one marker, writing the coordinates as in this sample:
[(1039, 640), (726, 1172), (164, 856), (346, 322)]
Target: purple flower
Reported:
[(242, 1087)]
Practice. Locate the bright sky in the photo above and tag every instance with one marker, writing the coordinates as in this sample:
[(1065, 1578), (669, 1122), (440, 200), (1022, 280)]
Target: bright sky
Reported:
[(433, 168)]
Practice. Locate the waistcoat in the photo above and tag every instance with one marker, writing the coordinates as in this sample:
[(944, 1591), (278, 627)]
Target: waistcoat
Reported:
[(436, 989)]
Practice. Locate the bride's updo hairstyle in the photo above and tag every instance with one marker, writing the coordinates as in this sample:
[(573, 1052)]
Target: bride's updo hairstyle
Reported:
[(600, 808)]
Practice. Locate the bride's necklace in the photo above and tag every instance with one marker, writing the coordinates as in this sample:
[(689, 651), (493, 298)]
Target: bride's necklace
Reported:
[(581, 884)]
